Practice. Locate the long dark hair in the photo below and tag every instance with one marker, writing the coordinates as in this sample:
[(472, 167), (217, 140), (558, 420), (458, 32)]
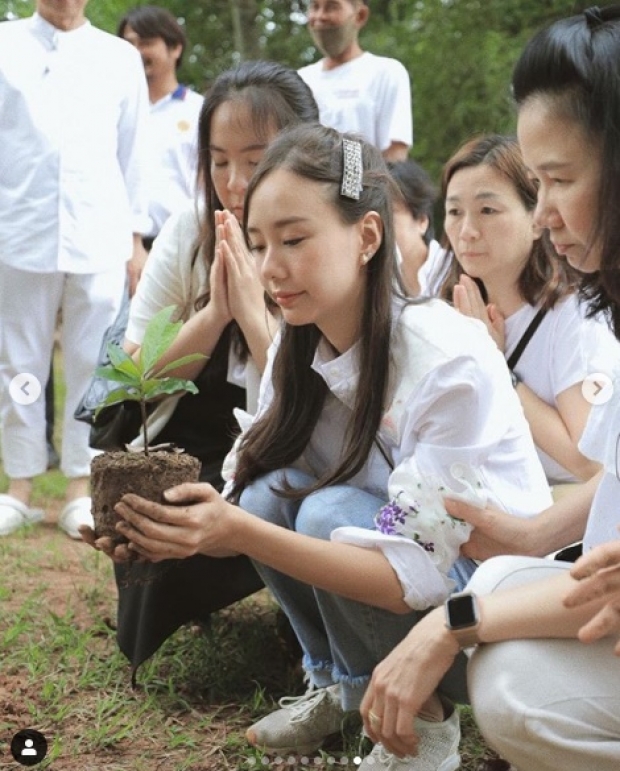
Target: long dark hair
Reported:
[(276, 97), (574, 65), (280, 436), (543, 279)]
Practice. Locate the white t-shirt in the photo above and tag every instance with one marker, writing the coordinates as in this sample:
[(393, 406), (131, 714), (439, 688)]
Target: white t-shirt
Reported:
[(173, 154), (601, 442), (369, 95), (74, 114), (454, 425), (565, 348)]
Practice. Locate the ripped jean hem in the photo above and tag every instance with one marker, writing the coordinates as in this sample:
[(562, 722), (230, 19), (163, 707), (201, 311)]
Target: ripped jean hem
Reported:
[(352, 689)]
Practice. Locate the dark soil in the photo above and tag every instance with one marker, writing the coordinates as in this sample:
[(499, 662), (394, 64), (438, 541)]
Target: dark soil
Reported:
[(113, 474)]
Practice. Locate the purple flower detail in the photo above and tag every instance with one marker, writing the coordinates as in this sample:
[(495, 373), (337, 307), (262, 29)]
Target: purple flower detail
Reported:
[(427, 546), (390, 519)]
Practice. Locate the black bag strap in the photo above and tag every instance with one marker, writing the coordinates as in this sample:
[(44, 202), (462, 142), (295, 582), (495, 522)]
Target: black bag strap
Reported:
[(525, 338)]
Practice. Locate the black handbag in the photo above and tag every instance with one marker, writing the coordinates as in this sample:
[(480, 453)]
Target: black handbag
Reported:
[(118, 424)]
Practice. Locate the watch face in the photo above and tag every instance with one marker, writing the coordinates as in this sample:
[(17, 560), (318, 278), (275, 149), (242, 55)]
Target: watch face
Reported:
[(462, 611)]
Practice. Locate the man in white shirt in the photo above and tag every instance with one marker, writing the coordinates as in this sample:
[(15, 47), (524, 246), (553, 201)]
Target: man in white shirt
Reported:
[(72, 214), (175, 110), (356, 90)]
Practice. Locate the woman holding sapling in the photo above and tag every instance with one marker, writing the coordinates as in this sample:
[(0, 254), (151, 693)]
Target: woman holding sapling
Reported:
[(371, 407), (200, 264)]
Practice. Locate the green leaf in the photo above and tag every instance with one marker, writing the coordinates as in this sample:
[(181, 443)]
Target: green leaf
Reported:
[(117, 396), (109, 373), (179, 363), (159, 335), (169, 385), (122, 361)]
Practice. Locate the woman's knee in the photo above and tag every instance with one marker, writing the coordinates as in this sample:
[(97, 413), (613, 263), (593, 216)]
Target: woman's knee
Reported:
[(495, 703), (262, 499), (508, 571), (326, 509)]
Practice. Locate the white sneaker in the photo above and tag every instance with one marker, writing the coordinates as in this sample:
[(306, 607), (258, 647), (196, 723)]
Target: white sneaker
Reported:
[(74, 514), (438, 749), (302, 724), (15, 514)]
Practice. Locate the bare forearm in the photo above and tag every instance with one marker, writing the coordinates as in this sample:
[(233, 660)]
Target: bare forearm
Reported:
[(359, 574), (562, 523), (553, 436), (533, 611), (200, 334)]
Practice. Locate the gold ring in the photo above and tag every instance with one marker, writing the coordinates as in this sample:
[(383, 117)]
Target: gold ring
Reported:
[(374, 719)]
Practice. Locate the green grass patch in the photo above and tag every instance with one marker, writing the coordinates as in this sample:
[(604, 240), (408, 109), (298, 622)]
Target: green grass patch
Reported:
[(61, 671)]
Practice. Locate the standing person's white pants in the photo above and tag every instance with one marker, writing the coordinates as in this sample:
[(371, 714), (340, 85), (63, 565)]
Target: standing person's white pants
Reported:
[(29, 304), (545, 705)]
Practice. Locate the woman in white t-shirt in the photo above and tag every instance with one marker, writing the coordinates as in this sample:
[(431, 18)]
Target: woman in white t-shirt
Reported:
[(541, 697), (504, 273)]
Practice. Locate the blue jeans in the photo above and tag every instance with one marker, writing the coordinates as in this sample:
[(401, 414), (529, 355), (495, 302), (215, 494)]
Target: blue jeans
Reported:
[(342, 640)]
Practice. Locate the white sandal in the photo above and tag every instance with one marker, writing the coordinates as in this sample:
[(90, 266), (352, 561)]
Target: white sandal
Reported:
[(74, 514), (15, 514)]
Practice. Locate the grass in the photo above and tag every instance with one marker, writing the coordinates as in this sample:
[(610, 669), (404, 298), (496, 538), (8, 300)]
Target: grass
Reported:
[(62, 673)]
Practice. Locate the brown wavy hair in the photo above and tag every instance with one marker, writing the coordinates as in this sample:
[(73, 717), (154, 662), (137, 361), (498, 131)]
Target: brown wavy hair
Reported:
[(544, 279)]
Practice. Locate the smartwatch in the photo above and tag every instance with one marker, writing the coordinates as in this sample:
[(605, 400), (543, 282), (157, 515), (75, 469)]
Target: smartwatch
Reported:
[(463, 618)]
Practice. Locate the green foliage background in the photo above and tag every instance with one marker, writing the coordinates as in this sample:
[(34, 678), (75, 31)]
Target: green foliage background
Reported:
[(459, 53)]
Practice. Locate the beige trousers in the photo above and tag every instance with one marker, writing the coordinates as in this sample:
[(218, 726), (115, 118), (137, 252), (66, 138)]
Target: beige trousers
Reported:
[(545, 705)]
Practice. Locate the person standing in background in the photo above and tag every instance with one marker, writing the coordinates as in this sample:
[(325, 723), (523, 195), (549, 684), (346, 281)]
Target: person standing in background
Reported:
[(72, 214), (358, 91), (175, 110)]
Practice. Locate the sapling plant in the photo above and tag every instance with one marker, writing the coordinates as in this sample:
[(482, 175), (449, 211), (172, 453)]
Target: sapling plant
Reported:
[(140, 378)]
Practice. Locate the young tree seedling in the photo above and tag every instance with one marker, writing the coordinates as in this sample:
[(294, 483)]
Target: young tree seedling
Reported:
[(140, 379)]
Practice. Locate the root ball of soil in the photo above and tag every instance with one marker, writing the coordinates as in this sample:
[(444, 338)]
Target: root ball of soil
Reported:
[(113, 474)]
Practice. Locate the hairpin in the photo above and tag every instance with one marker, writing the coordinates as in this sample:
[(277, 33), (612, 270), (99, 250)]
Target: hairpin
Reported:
[(352, 169)]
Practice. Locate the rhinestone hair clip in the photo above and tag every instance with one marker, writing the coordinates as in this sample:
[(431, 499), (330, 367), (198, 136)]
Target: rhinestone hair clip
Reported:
[(352, 169)]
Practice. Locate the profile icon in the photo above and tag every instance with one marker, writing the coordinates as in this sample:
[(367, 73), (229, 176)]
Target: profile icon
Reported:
[(28, 747)]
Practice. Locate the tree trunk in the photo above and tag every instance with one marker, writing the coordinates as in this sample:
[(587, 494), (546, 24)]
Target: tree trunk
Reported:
[(245, 28)]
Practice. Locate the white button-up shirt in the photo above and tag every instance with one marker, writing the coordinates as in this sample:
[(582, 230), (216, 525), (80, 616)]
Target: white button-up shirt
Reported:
[(453, 426), (73, 117)]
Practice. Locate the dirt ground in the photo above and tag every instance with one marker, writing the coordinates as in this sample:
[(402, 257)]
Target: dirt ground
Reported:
[(60, 570)]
